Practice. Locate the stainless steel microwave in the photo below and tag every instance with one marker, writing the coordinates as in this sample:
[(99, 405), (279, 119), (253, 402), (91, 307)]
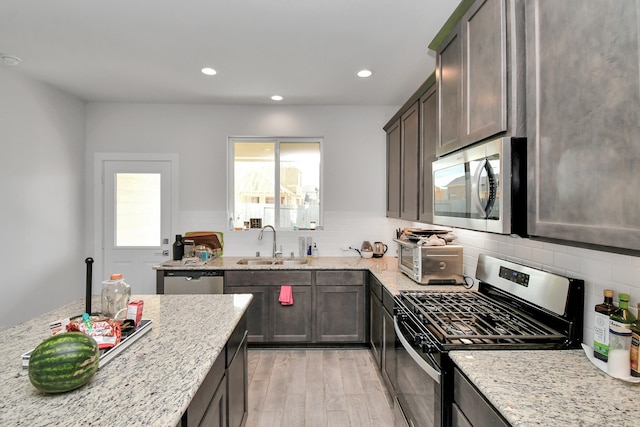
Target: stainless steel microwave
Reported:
[(431, 265), (483, 187)]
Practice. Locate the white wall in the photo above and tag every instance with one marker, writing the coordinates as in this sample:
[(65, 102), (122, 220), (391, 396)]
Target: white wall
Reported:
[(41, 188), (354, 163)]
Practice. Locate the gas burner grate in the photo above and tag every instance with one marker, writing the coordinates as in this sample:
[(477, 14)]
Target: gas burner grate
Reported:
[(463, 317)]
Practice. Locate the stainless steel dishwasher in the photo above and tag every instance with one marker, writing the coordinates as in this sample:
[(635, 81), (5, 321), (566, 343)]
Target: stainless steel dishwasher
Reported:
[(194, 282)]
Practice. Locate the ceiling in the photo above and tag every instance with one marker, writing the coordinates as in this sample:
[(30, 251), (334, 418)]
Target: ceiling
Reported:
[(308, 51)]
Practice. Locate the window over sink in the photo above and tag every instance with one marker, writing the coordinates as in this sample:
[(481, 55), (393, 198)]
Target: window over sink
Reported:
[(275, 180)]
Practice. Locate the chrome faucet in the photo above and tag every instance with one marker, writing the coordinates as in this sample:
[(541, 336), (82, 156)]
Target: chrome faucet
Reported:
[(275, 252)]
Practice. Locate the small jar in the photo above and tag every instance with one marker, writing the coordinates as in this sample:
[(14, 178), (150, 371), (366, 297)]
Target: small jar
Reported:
[(618, 363), (116, 294)]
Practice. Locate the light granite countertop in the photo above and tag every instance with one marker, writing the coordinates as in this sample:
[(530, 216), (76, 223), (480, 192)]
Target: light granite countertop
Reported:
[(544, 388), (152, 382), (384, 269)]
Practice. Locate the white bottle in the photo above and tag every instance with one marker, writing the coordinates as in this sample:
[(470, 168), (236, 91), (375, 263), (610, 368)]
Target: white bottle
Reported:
[(314, 253)]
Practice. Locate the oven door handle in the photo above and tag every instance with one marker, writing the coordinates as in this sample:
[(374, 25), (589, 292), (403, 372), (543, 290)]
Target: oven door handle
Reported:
[(430, 370)]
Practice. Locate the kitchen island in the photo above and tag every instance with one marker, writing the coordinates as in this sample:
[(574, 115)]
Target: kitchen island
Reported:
[(543, 388), (152, 382)]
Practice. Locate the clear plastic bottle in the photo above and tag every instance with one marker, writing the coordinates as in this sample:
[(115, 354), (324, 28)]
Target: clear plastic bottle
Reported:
[(116, 294), (601, 326), (621, 315), (314, 251)]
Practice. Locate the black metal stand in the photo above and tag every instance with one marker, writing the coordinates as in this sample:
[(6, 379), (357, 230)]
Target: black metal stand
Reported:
[(89, 262)]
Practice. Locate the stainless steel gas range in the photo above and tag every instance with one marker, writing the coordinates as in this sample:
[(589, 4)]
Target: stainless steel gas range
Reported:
[(515, 308)]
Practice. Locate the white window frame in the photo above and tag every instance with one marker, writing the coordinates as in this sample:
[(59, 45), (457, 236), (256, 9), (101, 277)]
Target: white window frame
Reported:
[(231, 140)]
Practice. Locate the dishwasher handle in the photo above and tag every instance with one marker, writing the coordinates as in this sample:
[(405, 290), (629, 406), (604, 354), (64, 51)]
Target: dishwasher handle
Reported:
[(194, 274)]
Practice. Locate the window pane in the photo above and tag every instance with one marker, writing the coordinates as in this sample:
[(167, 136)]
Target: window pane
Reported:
[(138, 209), (254, 180), (299, 184)]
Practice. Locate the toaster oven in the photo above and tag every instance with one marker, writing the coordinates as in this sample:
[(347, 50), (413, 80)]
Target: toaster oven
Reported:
[(431, 265)]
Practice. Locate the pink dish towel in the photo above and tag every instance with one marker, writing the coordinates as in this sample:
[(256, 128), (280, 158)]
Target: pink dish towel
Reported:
[(286, 295)]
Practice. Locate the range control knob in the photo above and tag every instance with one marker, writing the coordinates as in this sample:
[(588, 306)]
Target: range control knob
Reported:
[(419, 340), (429, 348)]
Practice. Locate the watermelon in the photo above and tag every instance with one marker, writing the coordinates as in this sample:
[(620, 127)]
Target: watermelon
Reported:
[(63, 362)]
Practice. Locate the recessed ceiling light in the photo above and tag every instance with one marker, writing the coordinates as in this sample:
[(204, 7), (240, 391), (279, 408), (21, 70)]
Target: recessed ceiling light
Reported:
[(10, 60), (364, 73), (209, 71), (277, 98)]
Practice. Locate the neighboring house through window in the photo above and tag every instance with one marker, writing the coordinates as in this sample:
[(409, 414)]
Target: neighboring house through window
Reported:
[(276, 180)]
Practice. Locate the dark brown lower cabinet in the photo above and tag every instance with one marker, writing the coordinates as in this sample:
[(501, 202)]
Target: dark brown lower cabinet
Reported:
[(329, 306), (341, 309), (222, 399), (340, 312), (268, 320)]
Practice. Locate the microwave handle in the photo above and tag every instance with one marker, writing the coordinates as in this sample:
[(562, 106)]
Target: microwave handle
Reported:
[(483, 211)]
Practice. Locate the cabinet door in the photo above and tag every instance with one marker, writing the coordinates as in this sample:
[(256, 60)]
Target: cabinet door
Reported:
[(340, 312), (449, 74), (428, 142), (237, 387), (216, 415), (485, 71), (393, 170), (290, 323), (409, 166), (389, 364), (257, 321), (583, 121), (376, 328), (208, 406)]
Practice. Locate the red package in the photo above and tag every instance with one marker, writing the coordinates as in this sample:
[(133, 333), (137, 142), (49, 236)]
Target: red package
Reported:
[(106, 332), (134, 311)]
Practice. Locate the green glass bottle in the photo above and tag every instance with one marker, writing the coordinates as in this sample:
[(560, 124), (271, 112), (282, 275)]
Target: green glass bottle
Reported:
[(622, 316), (601, 326)]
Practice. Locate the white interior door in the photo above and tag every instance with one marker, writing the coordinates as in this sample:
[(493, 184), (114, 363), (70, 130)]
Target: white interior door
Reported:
[(137, 220)]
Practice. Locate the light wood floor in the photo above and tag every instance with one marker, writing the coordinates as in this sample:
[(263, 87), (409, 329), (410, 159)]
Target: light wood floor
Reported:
[(335, 387)]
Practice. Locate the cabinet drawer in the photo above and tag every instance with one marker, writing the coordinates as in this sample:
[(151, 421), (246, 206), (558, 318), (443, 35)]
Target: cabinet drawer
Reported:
[(340, 278), (267, 278), (473, 405), (376, 287), (387, 300)]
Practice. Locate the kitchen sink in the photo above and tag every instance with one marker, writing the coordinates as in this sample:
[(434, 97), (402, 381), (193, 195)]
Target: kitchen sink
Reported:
[(294, 261), (271, 261), (259, 261)]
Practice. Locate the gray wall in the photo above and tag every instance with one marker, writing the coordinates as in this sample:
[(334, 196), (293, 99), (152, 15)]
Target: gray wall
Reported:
[(41, 188)]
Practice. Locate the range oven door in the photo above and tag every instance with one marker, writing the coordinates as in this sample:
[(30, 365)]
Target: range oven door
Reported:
[(418, 378)]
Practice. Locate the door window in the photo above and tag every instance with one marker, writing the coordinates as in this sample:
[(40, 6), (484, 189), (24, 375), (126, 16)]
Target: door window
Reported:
[(138, 209)]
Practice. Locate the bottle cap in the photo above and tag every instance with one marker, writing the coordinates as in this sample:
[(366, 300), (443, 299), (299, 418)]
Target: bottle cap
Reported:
[(608, 293), (623, 297), (116, 276), (620, 330)]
